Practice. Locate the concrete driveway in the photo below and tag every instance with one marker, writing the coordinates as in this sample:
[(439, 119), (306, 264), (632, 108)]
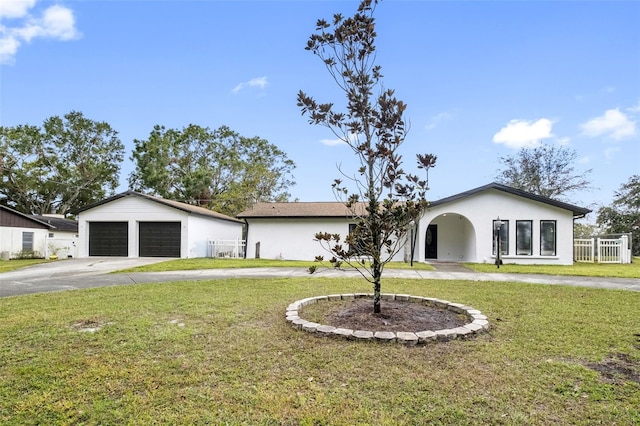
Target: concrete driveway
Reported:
[(69, 274), (95, 272)]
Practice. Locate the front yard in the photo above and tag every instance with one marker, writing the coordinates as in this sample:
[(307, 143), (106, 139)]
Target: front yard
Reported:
[(220, 352)]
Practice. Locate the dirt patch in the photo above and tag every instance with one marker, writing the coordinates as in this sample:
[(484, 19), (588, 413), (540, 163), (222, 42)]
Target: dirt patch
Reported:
[(89, 325), (616, 367), (395, 316)]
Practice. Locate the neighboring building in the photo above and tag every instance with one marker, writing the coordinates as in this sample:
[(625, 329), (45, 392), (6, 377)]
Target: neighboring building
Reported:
[(131, 224), (41, 235), (62, 239), (460, 228)]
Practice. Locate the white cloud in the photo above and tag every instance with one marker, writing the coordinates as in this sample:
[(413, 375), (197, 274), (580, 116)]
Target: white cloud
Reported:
[(612, 124), (260, 82), (15, 8), (522, 134), (437, 119), (332, 142), (56, 22)]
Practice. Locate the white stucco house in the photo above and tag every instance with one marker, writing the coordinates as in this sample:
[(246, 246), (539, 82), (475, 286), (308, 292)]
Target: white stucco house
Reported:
[(460, 228), (132, 224), (43, 235)]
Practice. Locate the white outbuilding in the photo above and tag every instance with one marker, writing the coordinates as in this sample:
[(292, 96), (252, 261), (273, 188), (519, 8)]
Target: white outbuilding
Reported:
[(132, 224)]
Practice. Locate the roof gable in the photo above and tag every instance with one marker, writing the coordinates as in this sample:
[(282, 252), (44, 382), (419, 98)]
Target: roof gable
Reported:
[(577, 211), (188, 208), (13, 218)]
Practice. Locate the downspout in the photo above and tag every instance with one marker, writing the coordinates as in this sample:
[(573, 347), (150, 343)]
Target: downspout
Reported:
[(573, 234)]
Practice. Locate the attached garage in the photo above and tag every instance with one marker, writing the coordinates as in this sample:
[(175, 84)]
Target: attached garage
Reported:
[(159, 239), (108, 239), (132, 224)]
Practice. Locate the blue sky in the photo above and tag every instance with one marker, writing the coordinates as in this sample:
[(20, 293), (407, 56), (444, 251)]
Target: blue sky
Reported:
[(481, 79)]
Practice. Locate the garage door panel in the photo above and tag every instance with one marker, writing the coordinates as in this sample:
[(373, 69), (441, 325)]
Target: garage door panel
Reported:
[(109, 239), (160, 239)]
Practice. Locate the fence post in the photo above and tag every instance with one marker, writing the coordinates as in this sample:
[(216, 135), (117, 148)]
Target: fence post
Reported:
[(625, 256)]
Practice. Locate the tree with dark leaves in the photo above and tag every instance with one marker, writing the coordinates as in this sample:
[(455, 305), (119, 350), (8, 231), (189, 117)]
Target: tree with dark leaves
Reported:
[(384, 200)]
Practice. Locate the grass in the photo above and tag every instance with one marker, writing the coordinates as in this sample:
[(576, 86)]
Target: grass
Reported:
[(631, 270), (220, 352), (616, 270), (209, 263), (11, 265)]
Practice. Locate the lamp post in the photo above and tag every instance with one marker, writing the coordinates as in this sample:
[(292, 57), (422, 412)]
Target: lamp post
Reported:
[(498, 227)]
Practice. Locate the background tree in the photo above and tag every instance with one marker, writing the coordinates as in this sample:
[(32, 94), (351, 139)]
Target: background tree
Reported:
[(383, 199), (218, 168), (546, 170), (623, 216), (66, 164)]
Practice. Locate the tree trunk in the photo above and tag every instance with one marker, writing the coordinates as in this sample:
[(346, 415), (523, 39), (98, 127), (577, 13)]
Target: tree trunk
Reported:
[(377, 275)]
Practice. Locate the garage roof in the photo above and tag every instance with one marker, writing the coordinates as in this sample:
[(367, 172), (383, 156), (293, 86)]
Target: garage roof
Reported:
[(201, 211)]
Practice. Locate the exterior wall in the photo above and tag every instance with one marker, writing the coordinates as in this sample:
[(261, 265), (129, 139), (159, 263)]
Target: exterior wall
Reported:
[(62, 244), (293, 239), (132, 210), (201, 230), (11, 241), (476, 214)]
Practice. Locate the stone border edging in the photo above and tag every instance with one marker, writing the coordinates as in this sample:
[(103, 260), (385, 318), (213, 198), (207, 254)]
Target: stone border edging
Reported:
[(479, 322)]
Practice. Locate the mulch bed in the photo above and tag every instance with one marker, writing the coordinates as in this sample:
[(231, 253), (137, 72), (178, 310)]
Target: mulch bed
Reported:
[(394, 316)]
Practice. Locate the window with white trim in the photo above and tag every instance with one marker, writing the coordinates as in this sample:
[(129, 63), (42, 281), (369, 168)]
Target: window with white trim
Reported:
[(27, 241)]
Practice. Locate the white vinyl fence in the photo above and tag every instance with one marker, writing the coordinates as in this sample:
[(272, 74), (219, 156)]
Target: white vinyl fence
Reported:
[(602, 250), (226, 248)]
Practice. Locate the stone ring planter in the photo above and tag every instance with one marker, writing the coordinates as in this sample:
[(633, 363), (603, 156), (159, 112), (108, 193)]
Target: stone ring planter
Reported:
[(477, 322)]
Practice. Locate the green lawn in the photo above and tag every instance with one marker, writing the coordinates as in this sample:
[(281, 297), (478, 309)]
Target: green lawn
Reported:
[(209, 263), (631, 270), (10, 265), (628, 270), (221, 352)]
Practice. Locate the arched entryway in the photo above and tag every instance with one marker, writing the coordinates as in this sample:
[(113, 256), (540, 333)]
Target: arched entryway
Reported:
[(450, 237)]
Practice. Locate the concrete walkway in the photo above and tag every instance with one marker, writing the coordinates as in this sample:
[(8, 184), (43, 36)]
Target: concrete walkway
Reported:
[(81, 273)]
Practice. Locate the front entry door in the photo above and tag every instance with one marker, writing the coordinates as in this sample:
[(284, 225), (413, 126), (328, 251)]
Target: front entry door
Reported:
[(431, 242)]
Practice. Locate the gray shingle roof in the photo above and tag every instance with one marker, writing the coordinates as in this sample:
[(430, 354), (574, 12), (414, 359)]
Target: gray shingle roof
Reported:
[(59, 223), (298, 209)]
